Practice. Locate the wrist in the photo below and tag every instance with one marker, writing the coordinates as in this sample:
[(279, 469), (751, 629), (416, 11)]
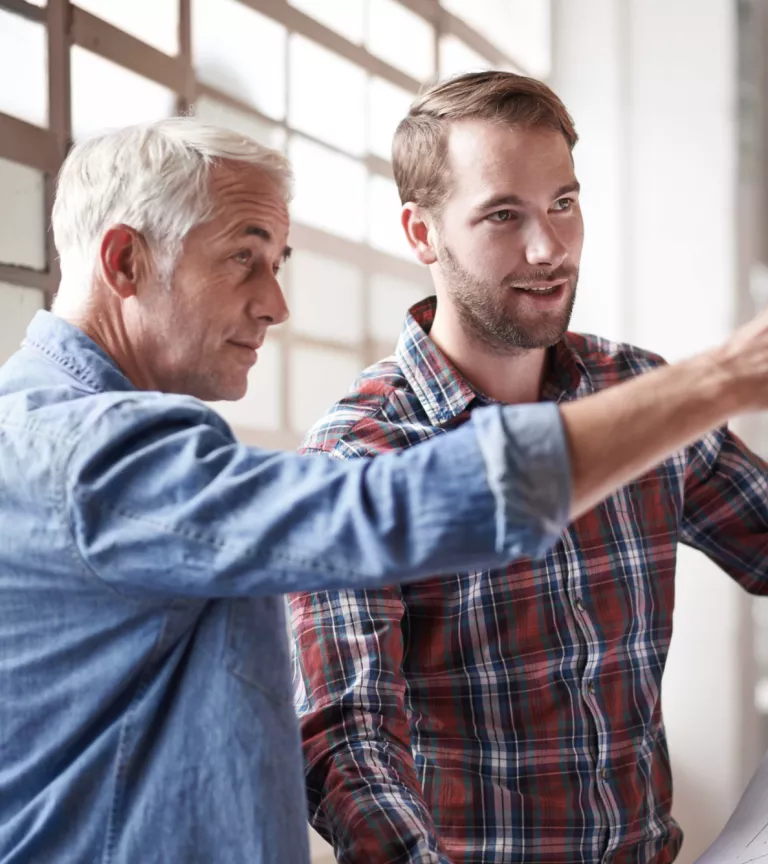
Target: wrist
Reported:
[(720, 385)]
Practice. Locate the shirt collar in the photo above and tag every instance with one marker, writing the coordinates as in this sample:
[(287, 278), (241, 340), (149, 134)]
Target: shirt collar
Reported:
[(442, 390), (77, 354)]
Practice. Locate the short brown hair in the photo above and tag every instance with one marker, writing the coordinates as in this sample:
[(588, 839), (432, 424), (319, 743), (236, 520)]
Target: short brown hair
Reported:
[(419, 148)]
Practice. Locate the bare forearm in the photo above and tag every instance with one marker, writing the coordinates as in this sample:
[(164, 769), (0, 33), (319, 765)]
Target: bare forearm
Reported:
[(620, 433)]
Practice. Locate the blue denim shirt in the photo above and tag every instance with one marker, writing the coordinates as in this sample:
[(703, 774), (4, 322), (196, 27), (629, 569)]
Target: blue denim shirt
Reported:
[(145, 692)]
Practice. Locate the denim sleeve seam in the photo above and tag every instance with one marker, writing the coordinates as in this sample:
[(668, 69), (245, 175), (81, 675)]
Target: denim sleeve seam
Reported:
[(275, 560), (77, 556)]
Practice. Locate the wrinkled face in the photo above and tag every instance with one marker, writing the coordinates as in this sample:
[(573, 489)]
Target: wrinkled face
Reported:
[(509, 235), (200, 335)]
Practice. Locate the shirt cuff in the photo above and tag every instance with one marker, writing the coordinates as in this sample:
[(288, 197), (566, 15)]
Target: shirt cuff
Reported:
[(529, 473)]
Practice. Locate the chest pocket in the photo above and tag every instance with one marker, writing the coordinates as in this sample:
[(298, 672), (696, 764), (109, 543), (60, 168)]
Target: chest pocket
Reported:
[(257, 646)]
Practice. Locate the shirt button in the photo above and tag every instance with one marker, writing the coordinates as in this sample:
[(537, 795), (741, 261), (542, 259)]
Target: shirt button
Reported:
[(579, 604), (591, 687), (604, 773)]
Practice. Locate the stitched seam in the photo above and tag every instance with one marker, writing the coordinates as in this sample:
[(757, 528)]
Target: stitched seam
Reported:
[(277, 558), (66, 362), (77, 558), (120, 761)]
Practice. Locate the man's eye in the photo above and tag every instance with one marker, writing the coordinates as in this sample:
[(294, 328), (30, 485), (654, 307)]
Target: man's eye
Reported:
[(502, 216), (243, 257), (564, 204)]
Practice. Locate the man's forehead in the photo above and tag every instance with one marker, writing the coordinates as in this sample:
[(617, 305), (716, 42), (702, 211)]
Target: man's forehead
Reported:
[(240, 180), (249, 196), (481, 152)]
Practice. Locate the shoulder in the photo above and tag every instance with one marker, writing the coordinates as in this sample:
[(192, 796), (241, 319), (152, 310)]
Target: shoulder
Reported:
[(608, 362), (381, 412), (136, 415)]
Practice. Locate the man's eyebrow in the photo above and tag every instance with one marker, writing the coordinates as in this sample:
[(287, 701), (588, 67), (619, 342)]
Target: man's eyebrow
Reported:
[(507, 200), (501, 201), (568, 188), (258, 231)]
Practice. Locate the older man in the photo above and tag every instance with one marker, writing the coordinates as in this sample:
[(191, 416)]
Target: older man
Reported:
[(145, 703)]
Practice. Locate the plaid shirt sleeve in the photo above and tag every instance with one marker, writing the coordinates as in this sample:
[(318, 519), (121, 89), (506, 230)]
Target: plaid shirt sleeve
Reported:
[(364, 794), (725, 511)]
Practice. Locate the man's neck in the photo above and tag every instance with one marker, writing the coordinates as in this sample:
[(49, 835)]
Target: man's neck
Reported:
[(108, 332), (512, 379)]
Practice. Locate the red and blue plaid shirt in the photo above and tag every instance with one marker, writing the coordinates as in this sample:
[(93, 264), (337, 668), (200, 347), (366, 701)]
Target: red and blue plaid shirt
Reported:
[(512, 715)]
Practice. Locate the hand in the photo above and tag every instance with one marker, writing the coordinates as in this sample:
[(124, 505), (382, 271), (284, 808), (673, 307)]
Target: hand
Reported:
[(744, 361)]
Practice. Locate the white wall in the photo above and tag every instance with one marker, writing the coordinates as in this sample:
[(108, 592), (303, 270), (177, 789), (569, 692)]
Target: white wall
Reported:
[(652, 87)]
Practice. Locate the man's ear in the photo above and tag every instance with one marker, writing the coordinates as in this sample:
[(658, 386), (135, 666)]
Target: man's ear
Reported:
[(420, 232), (124, 260)]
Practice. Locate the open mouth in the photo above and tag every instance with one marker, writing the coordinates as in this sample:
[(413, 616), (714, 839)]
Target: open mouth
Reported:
[(550, 289), (545, 289), (546, 292)]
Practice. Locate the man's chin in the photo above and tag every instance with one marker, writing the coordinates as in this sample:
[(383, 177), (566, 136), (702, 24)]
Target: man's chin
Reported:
[(544, 327), (231, 391)]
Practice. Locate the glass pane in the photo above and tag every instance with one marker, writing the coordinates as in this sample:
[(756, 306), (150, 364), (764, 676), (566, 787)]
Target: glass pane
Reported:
[(319, 377), (401, 38), (384, 230), (326, 298), (17, 308), (241, 52), (95, 81), (388, 106), (391, 298), (22, 216), (522, 29), (330, 189), (346, 17), (457, 57), (220, 114), (316, 73), (23, 69), (260, 407), (155, 22)]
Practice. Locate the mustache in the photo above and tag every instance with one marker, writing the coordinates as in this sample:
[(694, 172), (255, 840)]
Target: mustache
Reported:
[(534, 277)]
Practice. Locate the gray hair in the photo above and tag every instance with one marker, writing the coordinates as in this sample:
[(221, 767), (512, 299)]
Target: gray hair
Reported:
[(152, 177)]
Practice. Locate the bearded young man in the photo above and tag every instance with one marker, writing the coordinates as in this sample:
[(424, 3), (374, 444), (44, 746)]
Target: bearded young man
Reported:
[(508, 715)]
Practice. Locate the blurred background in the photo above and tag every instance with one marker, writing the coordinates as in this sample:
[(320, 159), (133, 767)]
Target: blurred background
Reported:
[(669, 97)]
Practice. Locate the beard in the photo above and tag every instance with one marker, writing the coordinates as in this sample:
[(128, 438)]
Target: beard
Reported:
[(490, 314)]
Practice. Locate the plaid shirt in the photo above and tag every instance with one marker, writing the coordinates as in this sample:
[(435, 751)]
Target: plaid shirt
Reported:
[(512, 715)]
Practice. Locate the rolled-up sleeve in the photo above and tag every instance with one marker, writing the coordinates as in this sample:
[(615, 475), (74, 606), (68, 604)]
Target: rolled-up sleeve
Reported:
[(526, 459)]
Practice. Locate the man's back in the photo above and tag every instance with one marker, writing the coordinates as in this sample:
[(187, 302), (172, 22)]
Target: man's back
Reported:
[(183, 704), (512, 715)]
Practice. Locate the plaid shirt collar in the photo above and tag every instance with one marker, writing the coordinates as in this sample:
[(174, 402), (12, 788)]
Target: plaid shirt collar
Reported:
[(443, 391)]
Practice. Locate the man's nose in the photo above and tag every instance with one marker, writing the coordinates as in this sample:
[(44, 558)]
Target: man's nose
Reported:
[(544, 248)]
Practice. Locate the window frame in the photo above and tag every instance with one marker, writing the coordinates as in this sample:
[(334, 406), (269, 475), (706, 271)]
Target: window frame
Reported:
[(68, 25)]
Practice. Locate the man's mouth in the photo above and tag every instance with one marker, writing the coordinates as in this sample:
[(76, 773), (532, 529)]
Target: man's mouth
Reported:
[(544, 289), (249, 350), (250, 345)]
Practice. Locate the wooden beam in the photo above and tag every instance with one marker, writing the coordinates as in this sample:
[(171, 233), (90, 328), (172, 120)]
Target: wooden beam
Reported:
[(26, 10), (109, 42), (28, 144), (24, 277), (298, 22)]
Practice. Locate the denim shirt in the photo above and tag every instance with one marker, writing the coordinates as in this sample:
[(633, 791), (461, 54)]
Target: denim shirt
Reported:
[(145, 689)]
